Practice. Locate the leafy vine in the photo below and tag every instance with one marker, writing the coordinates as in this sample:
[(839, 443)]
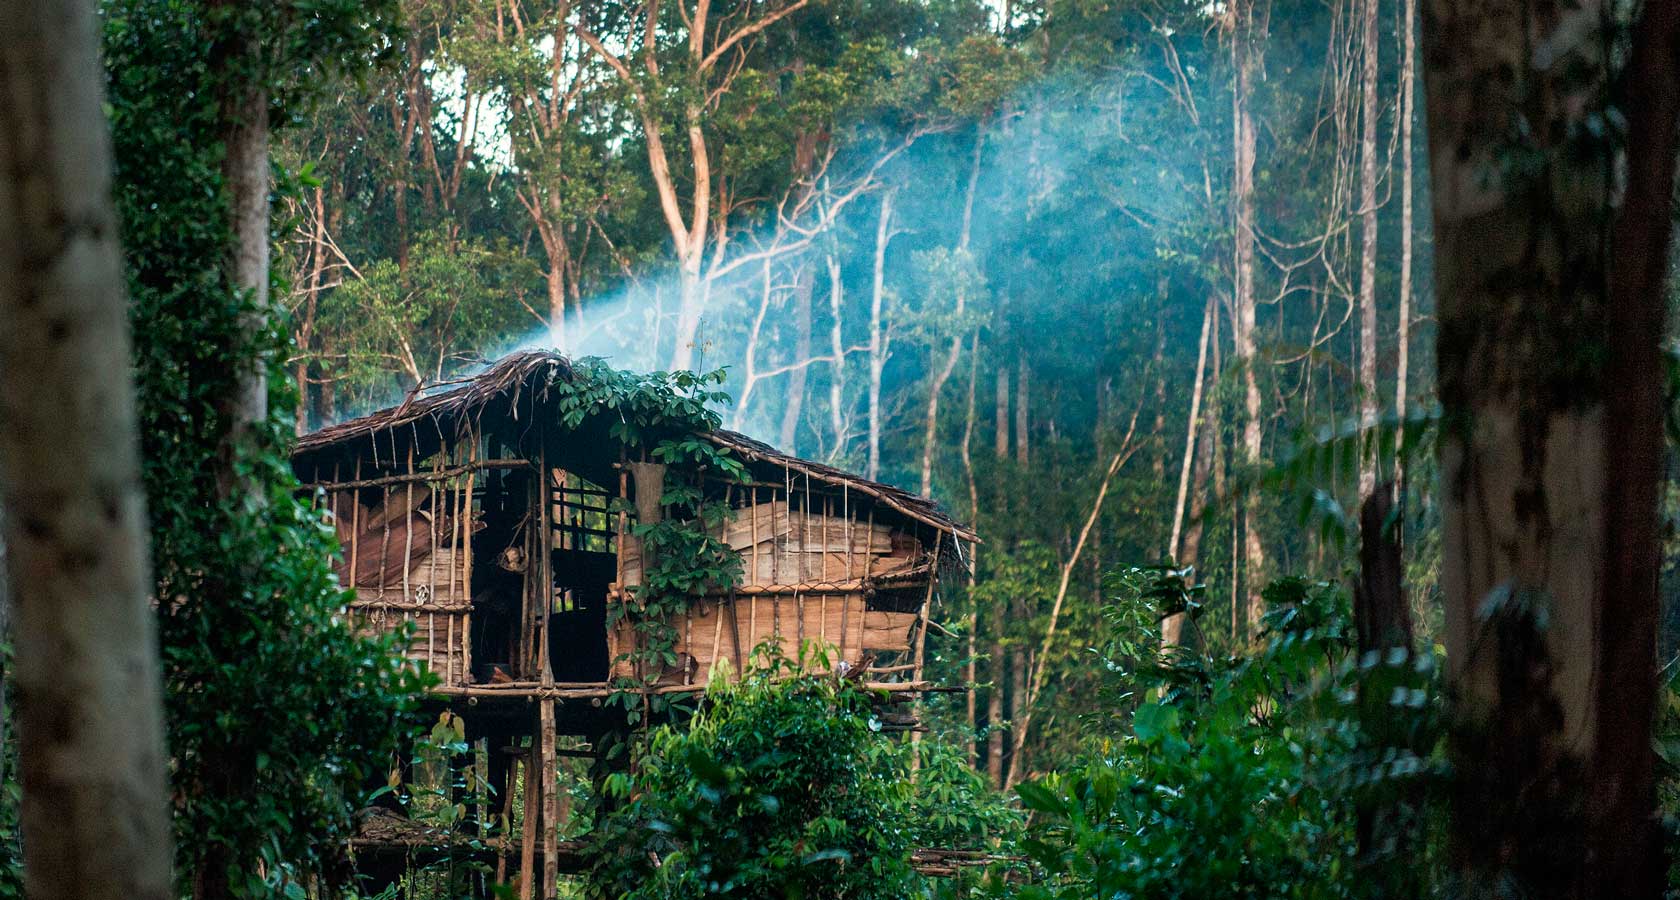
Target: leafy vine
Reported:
[(661, 416)]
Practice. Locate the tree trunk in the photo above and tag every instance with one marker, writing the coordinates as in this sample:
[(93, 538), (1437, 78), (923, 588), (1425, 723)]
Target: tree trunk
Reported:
[(1368, 151), (1384, 824), (1551, 443), (1023, 443), (306, 317), (1191, 427), (803, 285), (554, 281), (1172, 627), (877, 336), (86, 679), (688, 315), (999, 617), (1245, 53), (244, 124), (1403, 323), (837, 348)]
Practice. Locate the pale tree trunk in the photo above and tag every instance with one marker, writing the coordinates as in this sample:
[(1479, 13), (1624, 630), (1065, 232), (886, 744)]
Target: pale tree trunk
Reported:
[(1172, 627), (943, 373), (877, 335), (1245, 53), (837, 348), (1023, 444), (971, 670), (688, 315), (1551, 455), (1000, 607), (1403, 336), (554, 282), (803, 286), (1368, 241), (86, 679), (306, 316)]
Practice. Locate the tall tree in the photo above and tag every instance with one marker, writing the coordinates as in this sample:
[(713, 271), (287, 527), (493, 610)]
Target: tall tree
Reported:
[(1549, 277), (95, 810), (705, 57), (1369, 112), (1247, 32)]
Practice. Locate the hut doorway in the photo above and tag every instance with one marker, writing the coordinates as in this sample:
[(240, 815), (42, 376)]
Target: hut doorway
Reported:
[(584, 566)]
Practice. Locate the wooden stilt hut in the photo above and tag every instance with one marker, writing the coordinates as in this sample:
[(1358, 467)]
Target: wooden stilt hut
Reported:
[(496, 521)]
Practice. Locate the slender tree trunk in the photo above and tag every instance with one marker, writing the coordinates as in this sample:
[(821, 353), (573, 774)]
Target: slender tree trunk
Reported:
[(1172, 627), (1020, 661), (554, 282), (1403, 325), (1023, 395), (306, 317), (971, 668), (86, 679), (803, 286), (837, 348), (877, 336), (1368, 151), (1245, 52), (1551, 456), (999, 616), (1190, 429)]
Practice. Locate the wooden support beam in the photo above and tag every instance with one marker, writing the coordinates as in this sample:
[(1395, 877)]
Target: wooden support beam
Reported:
[(550, 800)]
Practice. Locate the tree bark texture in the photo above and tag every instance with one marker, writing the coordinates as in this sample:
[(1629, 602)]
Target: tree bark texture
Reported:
[(804, 285), (1551, 311), (244, 133), (94, 808), (1368, 151), (1245, 57)]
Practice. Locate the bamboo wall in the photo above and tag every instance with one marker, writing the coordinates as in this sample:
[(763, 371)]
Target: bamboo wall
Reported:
[(406, 532), (809, 567)]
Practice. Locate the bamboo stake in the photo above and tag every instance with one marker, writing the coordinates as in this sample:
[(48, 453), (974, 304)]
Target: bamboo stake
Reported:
[(385, 541), (752, 614), (846, 606), (355, 527), (546, 593), (717, 639), (408, 543), (466, 577)]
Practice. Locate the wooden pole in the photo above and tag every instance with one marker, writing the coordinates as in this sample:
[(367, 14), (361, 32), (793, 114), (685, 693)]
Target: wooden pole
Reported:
[(550, 800), (528, 825)]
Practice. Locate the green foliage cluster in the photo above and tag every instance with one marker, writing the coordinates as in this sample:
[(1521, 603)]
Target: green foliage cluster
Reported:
[(277, 710), (1249, 778), (782, 785)]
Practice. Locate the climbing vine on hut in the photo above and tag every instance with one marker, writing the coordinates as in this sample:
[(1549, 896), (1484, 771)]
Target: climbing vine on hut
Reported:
[(661, 418)]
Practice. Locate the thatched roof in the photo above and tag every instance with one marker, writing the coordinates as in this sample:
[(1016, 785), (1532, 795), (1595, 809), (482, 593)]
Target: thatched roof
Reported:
[(516, 388)]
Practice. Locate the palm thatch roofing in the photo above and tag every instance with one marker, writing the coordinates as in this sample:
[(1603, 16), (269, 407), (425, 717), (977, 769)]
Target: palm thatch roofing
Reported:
[(514, 392)]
